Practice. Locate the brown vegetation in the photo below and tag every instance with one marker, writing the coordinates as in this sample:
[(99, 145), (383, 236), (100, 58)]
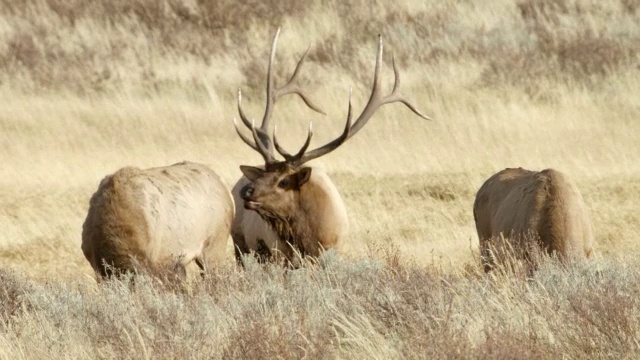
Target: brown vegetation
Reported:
[(521, 44), (335, 309)]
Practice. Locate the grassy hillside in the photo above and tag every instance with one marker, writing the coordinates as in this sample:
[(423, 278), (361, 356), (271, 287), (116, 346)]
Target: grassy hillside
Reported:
[(87, 87)]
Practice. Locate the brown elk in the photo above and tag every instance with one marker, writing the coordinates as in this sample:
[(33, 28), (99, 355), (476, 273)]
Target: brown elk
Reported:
[(291, 210), (160, 218), (531, 210)]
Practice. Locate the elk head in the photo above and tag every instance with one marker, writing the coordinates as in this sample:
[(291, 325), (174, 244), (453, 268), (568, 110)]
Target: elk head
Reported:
[(274, 192), (274, 188)]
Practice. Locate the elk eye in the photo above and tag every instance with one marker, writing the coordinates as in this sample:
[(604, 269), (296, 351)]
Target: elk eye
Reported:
[(284, 183)]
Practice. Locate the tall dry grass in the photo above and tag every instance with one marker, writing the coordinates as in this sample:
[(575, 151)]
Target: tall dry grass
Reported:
[(87, 87), (365, 309)]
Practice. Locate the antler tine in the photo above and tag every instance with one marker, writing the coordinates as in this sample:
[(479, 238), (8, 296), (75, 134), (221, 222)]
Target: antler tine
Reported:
[(302, 158), (305, 146), (263, 136), (376, 100), (393, 97), (271, 95), (263, 142), (298, 155), (261, 148), (396, 74), (243, 117), (292, 88), (279, 148), (243, 137)]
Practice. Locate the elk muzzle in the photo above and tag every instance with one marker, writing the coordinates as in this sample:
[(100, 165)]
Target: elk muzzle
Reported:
[(245, 193)]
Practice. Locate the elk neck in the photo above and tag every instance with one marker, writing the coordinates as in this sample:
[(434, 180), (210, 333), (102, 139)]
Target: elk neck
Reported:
[(294, 230)]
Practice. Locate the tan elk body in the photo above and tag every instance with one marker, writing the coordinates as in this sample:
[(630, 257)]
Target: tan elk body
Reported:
[(158, 217), (291, 210), (525, 206)]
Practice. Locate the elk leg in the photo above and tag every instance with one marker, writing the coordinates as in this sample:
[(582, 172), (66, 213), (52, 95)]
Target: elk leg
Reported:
[(486, 256), (263, 253), (200, 263)]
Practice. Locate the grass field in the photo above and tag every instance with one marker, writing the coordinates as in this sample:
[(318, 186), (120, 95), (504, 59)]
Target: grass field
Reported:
[(87, 87)]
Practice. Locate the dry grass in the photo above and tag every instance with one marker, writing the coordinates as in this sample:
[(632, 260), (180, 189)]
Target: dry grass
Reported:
[(87, 87), (334, 309)]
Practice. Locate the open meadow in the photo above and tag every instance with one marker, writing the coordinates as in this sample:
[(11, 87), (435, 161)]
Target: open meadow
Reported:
[(87, 87)]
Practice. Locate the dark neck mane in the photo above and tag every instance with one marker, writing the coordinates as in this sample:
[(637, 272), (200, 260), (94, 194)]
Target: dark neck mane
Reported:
[(290, 230)]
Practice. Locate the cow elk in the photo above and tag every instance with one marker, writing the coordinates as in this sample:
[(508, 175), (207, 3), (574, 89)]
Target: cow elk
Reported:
[(518, 212), (291, 210), (160, 218)]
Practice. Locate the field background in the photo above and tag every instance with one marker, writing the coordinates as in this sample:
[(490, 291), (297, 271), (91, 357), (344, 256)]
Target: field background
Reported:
[(87, 87)]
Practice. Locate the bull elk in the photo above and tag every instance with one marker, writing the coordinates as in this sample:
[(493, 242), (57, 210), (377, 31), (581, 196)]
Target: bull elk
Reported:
[(164, 217), (291, 210), (532, 210)]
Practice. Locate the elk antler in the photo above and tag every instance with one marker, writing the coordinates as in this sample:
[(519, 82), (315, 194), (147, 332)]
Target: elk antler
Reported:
[(262, 142), (376, 100)]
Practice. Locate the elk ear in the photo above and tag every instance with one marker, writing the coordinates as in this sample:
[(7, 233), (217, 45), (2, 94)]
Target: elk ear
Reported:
[(303, 175), (251, 172)]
